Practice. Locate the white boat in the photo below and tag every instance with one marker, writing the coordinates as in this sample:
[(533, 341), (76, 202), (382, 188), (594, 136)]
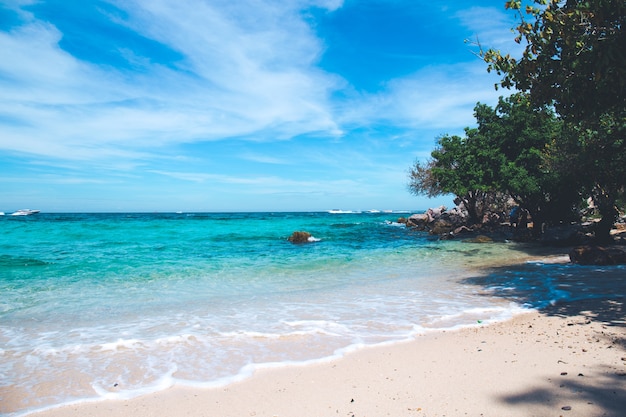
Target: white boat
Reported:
[(24, 212)]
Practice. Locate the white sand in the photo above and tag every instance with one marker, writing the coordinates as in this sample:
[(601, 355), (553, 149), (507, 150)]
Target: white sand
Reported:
[(567, 361)]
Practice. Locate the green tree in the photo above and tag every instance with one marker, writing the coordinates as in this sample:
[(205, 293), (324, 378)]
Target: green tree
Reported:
[(516, 151), (574, 59), (459, 166), (533, 169)]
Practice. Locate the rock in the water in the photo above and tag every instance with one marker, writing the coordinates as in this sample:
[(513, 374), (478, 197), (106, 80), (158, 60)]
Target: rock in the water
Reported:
[(598, 255), (481, 239), (300, 237), (418, 221)]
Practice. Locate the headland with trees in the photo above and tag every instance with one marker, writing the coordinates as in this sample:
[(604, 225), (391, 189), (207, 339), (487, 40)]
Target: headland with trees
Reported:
[(553, 153)]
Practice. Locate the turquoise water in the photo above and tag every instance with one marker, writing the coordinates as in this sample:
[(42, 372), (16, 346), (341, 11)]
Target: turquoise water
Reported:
[(117, 305)]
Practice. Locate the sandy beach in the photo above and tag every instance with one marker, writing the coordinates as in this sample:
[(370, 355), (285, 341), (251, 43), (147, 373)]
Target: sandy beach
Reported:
[(566, 360)]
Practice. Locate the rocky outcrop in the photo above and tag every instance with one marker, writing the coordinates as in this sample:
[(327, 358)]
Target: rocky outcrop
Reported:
[(441, 226), (480, 239), (598, 255), (439, 221), (417, 221)]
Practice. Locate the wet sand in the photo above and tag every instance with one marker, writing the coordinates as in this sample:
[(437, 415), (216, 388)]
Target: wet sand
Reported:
[(566, 360)]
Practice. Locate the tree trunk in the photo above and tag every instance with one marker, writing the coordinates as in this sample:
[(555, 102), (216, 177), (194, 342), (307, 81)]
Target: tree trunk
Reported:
[(538, 222), (606, 205), (471, 202)]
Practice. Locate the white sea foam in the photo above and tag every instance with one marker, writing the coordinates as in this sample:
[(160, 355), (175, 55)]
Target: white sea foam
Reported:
[(121, 344), (476, 315), (162, 383)]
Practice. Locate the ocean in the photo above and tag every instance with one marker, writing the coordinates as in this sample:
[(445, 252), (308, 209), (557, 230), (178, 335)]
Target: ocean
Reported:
[(111, 306)]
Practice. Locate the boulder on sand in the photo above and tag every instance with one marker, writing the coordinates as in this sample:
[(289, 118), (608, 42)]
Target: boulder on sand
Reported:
[(598, 255)]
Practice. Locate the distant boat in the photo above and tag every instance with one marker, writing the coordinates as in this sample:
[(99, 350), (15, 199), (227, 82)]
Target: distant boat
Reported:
[(1, 213), (24, 212)]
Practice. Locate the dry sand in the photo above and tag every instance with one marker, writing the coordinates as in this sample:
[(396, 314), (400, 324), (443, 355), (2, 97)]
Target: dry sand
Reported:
[(568, 360)]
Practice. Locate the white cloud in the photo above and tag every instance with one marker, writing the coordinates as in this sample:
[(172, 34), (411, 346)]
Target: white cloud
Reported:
[(262, 184), (265, 159), (247, 68), (330, 5), (438, 97), (442, 96), (491, 27)]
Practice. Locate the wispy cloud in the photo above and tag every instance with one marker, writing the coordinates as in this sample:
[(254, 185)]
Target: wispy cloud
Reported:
[(265, 159), (244, 71), (216, 100), (489, 26), (439, 96), (264, 184)]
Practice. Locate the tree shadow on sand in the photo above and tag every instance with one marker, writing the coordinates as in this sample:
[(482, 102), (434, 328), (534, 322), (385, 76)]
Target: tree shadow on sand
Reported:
[(605, 392), (561, 289), (585, 294)]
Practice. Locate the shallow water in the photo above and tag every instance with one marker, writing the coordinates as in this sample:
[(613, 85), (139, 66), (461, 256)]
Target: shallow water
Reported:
[(116, 305)]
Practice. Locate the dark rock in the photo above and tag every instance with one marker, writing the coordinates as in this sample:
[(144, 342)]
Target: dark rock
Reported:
[(455, 216), (418, 221), (461, 230), (441, 227), (434, 213), (481, 239), (598, 255), (300, 237)]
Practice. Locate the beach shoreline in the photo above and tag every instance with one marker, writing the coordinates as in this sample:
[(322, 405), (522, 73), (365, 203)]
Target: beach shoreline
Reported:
[(532, 365), (565, 359)]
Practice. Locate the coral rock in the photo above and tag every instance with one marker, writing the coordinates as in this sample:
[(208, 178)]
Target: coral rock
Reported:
[(300, 237)]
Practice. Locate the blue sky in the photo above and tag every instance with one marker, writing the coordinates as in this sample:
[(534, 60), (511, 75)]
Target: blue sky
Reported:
[(221, 105)]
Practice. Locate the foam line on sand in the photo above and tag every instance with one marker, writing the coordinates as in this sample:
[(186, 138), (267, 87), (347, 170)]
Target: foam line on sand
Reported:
[(563, 361)]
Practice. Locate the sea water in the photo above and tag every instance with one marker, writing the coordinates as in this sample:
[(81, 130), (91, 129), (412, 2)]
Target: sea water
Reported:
[(104, 306)]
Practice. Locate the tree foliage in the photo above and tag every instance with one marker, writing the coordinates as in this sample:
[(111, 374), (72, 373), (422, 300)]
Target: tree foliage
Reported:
[(460, 166), (574, 59), (534, 169), (514, 151)]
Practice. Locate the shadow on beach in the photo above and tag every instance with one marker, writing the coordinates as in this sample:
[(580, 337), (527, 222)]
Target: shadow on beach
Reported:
[(605, 392), (591, 301), (561, 289)]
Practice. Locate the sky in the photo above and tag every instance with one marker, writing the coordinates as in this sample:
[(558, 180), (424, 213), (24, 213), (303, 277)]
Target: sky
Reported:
[(247, 105)]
